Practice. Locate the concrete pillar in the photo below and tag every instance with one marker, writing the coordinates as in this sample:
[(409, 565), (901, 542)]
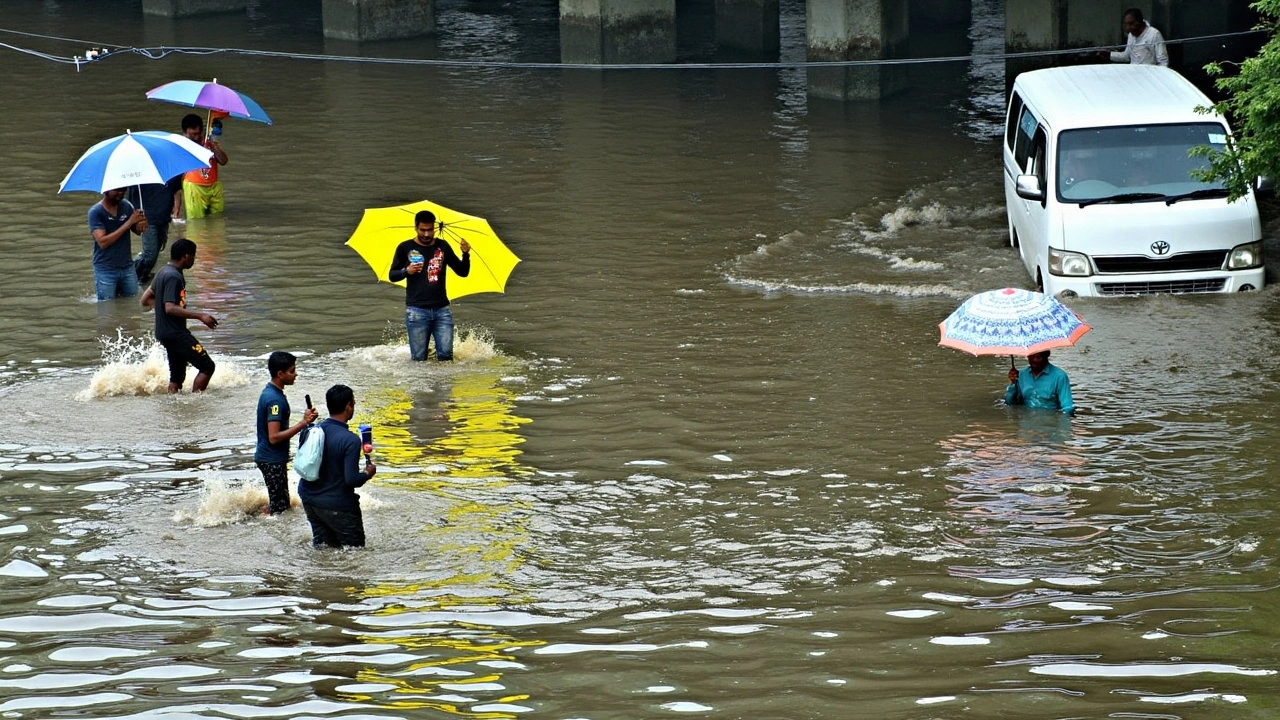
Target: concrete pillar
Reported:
[(361, 20), (750, 25), (856, 30), (187, 8), (940, 13), (617, 31)]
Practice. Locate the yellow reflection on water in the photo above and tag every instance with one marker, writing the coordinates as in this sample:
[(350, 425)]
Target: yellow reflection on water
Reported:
[(471, 438)]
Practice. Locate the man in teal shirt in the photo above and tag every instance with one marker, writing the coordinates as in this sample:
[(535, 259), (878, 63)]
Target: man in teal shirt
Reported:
[(1040, 385)]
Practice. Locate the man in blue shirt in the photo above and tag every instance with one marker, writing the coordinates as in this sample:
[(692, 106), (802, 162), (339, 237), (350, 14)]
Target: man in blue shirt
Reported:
[(110, 222), (331, 502), (1040, 385), (272, 451)]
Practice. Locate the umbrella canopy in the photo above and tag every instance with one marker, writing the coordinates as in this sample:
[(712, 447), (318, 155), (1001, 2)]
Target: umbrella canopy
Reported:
[(1011, 322), (135, 158), (210, 96), (382, 229)]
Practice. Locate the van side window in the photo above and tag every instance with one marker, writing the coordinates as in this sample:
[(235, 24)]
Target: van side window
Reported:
[(1011, 122), (1027, 125), (1038, 156)]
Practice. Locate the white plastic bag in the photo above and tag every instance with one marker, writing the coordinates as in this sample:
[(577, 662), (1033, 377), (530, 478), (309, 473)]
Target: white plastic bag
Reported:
[(310, 452)]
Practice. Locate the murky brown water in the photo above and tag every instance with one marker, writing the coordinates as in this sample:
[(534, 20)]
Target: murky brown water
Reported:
[(703, 458)]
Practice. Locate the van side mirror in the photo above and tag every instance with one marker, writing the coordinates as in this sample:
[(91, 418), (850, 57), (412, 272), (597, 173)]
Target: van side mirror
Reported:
[(1029, 188), (1264, 187)]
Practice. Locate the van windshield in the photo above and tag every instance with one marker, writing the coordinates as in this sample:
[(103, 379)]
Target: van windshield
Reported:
[(1139, 162)]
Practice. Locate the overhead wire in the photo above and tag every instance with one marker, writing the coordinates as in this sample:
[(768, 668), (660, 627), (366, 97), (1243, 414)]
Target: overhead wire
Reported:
[(108, 50)]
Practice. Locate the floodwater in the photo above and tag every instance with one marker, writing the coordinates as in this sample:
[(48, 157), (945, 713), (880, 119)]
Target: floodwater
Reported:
[(704, 458)]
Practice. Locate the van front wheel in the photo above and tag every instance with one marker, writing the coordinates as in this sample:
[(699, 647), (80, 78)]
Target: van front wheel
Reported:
[(1013, 236), (1039, 281)]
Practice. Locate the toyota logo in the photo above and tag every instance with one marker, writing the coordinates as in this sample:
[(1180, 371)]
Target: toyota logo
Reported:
[(1160, 247)]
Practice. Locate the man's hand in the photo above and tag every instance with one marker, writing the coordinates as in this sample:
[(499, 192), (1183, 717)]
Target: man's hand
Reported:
[(310, 415), (370, 470), (1013, 375), (210, 321), (137, 217), (414, 268), (466, 246)]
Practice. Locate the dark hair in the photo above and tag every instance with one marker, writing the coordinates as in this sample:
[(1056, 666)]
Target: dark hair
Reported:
[(191, 120), (1135, 13), (181, 248), (424, 216), (337, 398), (279, 361)]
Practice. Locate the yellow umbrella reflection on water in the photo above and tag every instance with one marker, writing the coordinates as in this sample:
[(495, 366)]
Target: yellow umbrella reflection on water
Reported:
[(479, 443)]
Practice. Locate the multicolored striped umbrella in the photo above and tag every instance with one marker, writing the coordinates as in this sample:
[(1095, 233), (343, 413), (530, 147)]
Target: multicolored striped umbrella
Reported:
[(210, 96), (1011, 322)]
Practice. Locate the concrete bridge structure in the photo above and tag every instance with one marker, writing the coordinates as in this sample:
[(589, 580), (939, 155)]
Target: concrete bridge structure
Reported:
[(606, 32)]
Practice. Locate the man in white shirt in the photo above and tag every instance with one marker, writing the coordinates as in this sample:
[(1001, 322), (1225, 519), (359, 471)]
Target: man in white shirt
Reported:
[(1145, 45)]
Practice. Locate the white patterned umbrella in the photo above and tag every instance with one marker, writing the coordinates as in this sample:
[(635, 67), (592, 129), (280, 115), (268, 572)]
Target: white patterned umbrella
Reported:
[(1011, 322)]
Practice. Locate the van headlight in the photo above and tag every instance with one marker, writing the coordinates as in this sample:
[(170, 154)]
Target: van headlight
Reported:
[(1074, 264), (1245, 256)]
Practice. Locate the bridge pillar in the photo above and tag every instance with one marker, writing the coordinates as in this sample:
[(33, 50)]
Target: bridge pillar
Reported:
[(856, 30), (361, 20), (750, 25), (607, 32), (187, 8)]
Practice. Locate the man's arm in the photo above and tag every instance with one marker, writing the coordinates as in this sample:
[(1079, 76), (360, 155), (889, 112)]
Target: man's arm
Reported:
[(460, 266), (1162, 53), (1012, 395), (149, 297), (351, 473), (399, 265), (219, 155), (175, 310), (1065, 402), (276, 436), (107, 239)]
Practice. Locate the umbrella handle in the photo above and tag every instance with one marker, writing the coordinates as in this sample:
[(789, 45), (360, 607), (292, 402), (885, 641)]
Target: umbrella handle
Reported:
[(1011, 365)]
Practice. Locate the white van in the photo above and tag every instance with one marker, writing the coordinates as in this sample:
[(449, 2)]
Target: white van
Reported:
[(1098, 188)]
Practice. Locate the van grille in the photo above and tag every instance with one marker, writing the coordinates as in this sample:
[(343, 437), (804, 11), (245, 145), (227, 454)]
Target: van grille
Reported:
[(1182, 262), (1206, 285)]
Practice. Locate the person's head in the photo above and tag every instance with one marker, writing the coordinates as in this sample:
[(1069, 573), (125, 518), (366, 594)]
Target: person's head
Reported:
[(192, 127), (114, 195), (425, 224), (1134, 24), (1038, 361), (340, 401), (282, 366), (183, 253)]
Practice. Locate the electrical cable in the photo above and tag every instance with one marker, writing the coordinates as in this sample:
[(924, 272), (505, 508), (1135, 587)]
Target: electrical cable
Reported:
[(157, 53)]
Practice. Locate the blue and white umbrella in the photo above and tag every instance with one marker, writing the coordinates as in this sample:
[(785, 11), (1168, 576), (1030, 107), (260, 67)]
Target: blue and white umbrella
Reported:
[(135, 158), (1011, 321)]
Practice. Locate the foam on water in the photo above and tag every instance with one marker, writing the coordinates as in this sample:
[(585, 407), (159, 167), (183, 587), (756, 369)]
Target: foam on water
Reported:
[(471, 346), (225, 500), (138, 366)]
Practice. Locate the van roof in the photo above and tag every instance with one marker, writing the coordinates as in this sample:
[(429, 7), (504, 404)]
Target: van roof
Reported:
[(1101, 95)]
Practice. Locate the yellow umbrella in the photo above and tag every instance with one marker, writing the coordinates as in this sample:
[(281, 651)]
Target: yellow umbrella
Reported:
[(381, 230)]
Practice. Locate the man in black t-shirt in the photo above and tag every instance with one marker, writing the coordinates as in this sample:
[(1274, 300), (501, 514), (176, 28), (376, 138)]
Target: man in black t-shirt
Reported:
[(421, 262), (156, 201), (169, 294)]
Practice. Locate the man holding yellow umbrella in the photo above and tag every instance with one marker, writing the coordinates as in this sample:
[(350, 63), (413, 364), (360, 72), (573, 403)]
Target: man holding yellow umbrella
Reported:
[(444, 240), (421, 262)]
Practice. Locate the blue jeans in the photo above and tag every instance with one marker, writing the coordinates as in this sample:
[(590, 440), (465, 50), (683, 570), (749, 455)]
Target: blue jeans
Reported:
[(421, 323), (153, 241), (115, 282)]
